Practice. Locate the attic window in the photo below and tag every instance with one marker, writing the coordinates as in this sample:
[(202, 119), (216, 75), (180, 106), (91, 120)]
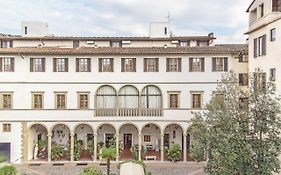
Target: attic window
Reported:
[(25, 30), (165, 31)]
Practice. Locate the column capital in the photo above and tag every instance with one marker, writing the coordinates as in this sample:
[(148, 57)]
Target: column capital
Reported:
[(140, 135)]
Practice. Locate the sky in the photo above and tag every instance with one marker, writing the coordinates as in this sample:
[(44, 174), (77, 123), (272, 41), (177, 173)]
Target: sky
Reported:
[(227, 19)]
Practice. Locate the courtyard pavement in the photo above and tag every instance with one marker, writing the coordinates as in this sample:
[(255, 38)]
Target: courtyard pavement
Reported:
[(188, 168)]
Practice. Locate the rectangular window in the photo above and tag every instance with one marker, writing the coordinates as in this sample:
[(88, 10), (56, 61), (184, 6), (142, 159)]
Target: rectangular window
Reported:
[(37, 64), (116, 44), (128, 64), (261, 10), (7, 127), (173, 64), (272, 74), (7, 64), (106, 65), (60, 100), (83, 64), (184, 43), (202, 43), (273, 34), (243, 79), (276, 5), (243, 58), (76, 43), (146, 138), (60, 64), (83, 100), (6, 100), (173, 100), (151, 65), (37, 100), (6, 44), (220, 64), (255, 48), (196, 100), (196, 64), (259, 82), (262, 45)]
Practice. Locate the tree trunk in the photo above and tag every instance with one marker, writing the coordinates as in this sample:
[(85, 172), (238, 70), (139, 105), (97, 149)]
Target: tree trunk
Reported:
[(108, 166)]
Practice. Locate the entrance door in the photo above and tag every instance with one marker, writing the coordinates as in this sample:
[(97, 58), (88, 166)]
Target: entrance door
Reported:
[(166, 140), (109, 140), (128, 141), (5, 149)]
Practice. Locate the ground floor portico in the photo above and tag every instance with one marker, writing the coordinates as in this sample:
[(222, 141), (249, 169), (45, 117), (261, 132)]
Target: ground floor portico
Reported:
[(83, 141)]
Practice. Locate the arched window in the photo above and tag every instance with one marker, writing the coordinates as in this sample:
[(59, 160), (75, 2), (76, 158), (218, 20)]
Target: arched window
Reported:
[(128, 97), (106, 98), (151, 97)]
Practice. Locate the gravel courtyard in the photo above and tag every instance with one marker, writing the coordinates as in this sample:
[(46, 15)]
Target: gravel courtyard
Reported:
[(189, 168)]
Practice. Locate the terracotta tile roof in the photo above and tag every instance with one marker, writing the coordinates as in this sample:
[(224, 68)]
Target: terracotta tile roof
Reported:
[(218, 49)]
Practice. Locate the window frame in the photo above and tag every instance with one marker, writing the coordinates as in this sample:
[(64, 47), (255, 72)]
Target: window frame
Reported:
[(192, 93), (3, 65), (177, 67), (272, 34), (177, 93), (79, 100), (33, 100), (57, 67), (224, 65), (2, 100), (132, 68), (102, 65), (151, 68), (6, 127), (272, 72), (56, 100)]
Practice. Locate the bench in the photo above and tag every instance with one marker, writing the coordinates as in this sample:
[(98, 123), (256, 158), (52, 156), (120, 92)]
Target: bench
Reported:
[(150, 158)]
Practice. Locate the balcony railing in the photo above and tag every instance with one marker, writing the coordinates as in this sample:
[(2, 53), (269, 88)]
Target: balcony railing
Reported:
[(129, 112)]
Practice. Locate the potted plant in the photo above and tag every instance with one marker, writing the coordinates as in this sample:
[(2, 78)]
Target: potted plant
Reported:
[(91, 148), (174, 152), (57, 152)]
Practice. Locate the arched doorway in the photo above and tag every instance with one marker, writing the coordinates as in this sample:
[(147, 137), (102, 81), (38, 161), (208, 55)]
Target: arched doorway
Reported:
[(129, 141), (106, 137), (151, 142), (173, 134), (83, 143), (38, 143), (60, 143)]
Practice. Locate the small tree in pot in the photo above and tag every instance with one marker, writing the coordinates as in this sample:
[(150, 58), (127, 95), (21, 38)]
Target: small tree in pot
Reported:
[(174, 152), (108, 154)]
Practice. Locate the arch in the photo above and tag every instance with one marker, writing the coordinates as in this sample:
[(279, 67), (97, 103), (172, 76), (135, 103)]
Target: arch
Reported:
[(128, 97), (43, 125), (120, 127), (75, 127), (53, 126), (110, 124), (106, 134), (106, 97), (169, 124), (151, 97)]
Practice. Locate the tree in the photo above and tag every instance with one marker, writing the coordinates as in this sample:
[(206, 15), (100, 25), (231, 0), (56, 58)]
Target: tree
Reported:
[(240, 135), (108, 154)]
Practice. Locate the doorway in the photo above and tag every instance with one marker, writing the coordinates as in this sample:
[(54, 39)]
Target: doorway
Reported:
[(5, 149), (108, 140), (128, 141), (167, 140)]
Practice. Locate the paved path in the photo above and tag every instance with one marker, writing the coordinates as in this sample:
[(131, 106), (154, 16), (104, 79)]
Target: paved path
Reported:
[(190, 168)]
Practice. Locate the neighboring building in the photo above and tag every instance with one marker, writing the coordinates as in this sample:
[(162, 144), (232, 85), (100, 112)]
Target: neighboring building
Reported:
[(265, 38), (139, 90)]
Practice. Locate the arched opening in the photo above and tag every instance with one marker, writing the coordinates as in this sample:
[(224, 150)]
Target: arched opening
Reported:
[(38, 143), (151, 142), (83, 143), (151, 101), (173, 135), (60, 143), (128, 101), (106, 98), (128, 141), (106, 137)]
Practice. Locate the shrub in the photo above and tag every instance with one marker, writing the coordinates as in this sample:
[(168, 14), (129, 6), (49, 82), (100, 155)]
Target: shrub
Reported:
[(8, 170), (42, 144), (57, 152), (174, 153), (135, 152), (90, 171), (2, 158)]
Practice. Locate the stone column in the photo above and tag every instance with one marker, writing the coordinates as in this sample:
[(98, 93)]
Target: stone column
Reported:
[(117, 147), (162, 147), (95, 146), (24, 142), (49, 146), (184, 147), (72, 147), (140, 145)]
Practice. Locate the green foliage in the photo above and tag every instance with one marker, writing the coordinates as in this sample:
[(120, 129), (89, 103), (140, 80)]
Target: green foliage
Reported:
[(8, 170), (2, 158), (135, 152), (174, 152), (90, 171), (57, 152), (108, 153), (78, 146), (239, 136), (90, 147), (42, 144)]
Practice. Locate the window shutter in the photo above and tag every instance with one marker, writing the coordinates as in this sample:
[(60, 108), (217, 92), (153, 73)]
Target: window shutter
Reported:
[(179, 62), (13, 64), (31, 64), (145, 64), (190, 64), (66, 64), (157, 64), (88, 64), (134, 64), (202, 64), (240, 79), (167, 64), (55, 65), (0, 64), (77, 64), (225, 61), (264, 45), (122, 64), (11, 43), (255, 47), (213, 64), (100, 64), (43, 65), (112, 64)]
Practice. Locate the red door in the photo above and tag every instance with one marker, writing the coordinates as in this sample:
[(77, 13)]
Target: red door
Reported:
[(127, 141)]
